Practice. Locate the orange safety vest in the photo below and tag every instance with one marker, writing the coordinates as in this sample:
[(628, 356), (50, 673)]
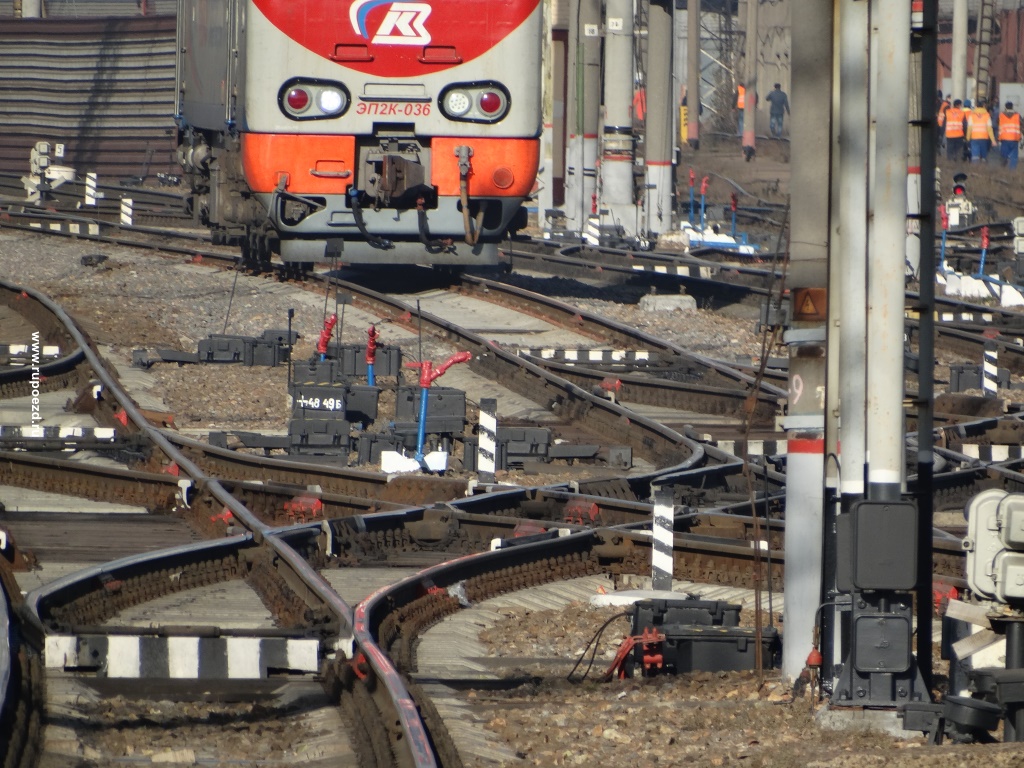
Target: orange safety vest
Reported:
[(954, 122), (980, 122), (954, 119), (741, 97), (1009, 126)]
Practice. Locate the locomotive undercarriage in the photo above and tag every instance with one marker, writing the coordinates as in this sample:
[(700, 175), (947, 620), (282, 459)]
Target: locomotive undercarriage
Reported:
[(389, 215), (223, 200)]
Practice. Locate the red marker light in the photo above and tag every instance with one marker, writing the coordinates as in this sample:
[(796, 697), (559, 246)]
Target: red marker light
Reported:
[(733, 202), (490, 102), (704, 185), (984, 238), (297, 99), (693, 177)]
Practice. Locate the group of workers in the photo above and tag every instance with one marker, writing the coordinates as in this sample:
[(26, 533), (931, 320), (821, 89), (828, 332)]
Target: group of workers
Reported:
[(778, 108), (968, 131)]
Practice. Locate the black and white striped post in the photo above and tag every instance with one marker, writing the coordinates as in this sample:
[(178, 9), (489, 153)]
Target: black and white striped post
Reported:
[(127, 205), (486, 450), (661, 550), (91, 183), (990, 370)]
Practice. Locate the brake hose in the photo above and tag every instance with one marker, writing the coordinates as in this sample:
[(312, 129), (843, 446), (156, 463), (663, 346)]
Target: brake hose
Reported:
[(464, 152), (357, 214), (432, 245)]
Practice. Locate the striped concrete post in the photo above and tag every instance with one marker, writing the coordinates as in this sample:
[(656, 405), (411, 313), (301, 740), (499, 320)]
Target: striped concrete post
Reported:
[(661, 551), (487, 442), (126, 211), (91, 183), (990, 371)]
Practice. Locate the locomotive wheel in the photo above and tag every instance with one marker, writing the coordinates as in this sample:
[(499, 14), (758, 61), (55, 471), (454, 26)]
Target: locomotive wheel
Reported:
[(256, 252)]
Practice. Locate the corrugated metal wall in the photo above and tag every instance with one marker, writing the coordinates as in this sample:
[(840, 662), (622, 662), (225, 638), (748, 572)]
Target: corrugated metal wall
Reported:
[(102, 87), (88, 9)]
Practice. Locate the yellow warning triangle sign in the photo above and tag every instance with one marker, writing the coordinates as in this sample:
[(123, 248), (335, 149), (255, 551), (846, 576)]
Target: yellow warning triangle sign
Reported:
[(807, 305)]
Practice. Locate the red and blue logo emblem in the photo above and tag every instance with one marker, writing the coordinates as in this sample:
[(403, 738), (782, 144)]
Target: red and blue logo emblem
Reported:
[(403, 24)]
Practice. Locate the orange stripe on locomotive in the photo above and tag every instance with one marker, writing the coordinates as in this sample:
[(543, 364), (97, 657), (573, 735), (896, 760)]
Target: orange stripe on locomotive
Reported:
[(317, 164)]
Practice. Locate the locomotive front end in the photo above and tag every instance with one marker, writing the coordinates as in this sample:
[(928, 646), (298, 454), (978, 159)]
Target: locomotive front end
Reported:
[(392, 132)]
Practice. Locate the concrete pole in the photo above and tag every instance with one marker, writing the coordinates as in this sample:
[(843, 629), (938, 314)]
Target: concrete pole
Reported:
[(660, 100), (573, 206), (887, 242), (591, 20), (617, 187), (582, 109), (750, 81), (31, 9), (849, 284), (959, 52), (693, 72), (546, 195), (810, 204)]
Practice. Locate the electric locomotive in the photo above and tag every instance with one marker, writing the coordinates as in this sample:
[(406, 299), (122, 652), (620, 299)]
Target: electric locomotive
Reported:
[(368, 131)]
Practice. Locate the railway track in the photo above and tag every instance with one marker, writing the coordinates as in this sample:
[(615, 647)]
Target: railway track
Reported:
[(300, 571)]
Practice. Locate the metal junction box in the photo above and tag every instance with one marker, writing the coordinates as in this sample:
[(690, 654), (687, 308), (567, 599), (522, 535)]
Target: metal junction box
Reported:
[(877, 546)]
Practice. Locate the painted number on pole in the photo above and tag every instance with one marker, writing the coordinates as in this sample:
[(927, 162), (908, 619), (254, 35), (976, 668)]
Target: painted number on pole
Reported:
[(797, 388), (615, 25), (591, 30), (58, 150)]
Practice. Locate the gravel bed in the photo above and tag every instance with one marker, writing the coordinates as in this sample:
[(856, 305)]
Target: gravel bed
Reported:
[(695, 719), (132, 301)]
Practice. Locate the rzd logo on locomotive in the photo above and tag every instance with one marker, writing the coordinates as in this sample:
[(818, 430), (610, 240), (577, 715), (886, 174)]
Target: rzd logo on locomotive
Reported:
[(402, 25)]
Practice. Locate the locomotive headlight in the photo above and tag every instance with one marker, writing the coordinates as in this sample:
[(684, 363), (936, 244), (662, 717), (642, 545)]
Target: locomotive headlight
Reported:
[(457, 103), (331, 101), (480, 102), (308, 99)]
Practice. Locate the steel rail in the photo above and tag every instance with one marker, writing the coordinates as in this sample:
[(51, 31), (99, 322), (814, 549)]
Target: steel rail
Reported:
[(414, 747), (647, 437)]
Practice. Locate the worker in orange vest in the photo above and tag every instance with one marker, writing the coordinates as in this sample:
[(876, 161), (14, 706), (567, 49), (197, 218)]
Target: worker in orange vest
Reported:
[(943, 103), (1009, 136), (952, 120), (741, 104), (979, 131)]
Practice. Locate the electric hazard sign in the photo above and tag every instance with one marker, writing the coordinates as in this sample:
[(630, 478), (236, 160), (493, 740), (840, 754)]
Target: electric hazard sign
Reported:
[(810, 304)]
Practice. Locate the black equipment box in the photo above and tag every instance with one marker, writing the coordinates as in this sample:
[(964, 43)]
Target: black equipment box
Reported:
[(700, 635), (350, 359), (657, 613), (357, 402), (222, 348), (446, 409)]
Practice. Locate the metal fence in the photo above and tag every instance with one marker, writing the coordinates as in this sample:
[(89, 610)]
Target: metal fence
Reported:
[(103, 88)]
